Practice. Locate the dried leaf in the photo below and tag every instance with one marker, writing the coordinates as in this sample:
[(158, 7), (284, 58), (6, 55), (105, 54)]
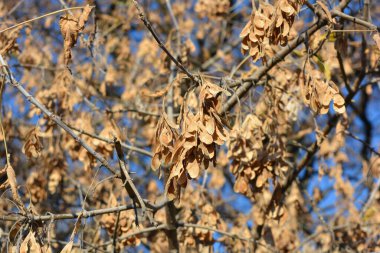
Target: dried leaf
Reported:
[(339, 103), (30, 244), (32, 146), (68, 247), (70, 27), (13, 183), (376, 38), (193, 168)]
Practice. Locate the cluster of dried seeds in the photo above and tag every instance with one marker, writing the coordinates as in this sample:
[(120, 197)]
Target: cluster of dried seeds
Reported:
[(257, 146), (212, 8), (126, 226), (195, 147), (318, 93), (246, 149), (283, 19), (196, 207), (165, 137), (254, 34), (268, 25), (33, 145)]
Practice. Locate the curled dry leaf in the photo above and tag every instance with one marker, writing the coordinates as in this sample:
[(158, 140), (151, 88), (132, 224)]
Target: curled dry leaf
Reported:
[(376, 38), (33, 146), (30, 244), (70, 27), (8, 41), (13, 184)]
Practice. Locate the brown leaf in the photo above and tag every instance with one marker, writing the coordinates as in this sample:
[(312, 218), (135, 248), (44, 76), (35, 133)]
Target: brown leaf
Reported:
[(210, 125), (84, 16), (68, 247), (205, 137), (339, 103), (376, 38), (241, 185), (193, 168), (70, 28), (30, 244), (32, 146), (13, 183)]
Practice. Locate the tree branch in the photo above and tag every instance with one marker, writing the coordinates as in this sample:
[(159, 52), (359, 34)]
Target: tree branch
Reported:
[(128, 183), (54, 117), (109, 141), (262, 71), (161, 45), (355, 20)]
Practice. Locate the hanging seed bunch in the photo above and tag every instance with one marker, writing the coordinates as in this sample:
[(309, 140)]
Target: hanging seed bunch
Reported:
[(268, 26), (245, 149), (164, 140), (197, 207), (126, 226), (254, 39), (196, 146), (35, 185), (318, 93), (257, 148), (212, 8), (282, 20)]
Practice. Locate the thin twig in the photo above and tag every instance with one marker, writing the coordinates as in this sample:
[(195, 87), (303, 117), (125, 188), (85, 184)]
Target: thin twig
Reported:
[(66, 216), (161, 45), (55, 118), (115, 230), (351, 31), (355, 20), (147, 113), (85, 214), (248, 83), (235, 236), (43, 16), (311, 237), (372, 149), (128, 183), (14, 7), (371, 198), (225, 50), (138, 232), (109, 141)]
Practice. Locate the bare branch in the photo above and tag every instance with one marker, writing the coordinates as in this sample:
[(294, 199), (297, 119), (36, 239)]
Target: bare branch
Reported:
[(54, 117), (161, 45)]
